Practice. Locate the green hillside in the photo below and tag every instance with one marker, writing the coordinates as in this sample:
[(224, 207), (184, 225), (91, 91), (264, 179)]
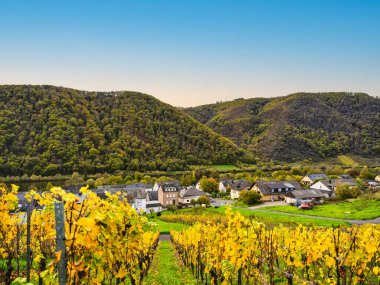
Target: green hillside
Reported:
[(47, 130), (299, 126)]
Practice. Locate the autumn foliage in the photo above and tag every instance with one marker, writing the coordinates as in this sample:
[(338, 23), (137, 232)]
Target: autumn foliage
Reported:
[(105, 239), (240, 251)]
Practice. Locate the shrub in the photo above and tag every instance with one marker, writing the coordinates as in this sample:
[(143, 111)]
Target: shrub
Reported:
[(203, 200), (171, 208), (249, 197), (344, 192)]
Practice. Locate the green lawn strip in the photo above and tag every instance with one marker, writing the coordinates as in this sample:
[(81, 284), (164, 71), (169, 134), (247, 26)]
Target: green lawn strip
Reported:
[(359, 209), (278, 218), (166, 227), (225, 167), (167, 268)]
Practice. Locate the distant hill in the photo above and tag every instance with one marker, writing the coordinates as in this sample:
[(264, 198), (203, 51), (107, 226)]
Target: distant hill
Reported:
[(299, 126), (48, 130)]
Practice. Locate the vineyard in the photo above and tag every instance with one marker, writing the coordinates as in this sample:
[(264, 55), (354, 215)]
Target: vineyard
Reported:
[(242, 251), (102, 241), (69, 239)]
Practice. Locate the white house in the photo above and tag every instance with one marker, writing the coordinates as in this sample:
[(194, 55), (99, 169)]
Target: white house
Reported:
[(152, 202), (239, 185), (275, 190), (223, 186), (157, 185), (296, 197), (153, 206), (134, 193), (328, 187), (189, 194), (139, 204), (312, 178)]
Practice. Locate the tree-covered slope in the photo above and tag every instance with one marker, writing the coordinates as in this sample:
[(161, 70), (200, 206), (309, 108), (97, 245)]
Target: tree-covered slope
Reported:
[(48, 130), (299, 126)]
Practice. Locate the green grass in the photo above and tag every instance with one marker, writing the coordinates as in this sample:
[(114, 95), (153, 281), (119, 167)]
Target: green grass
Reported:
[(359, 209), (273, 219), (346, 160), (225, 167), (165, 227), (167, 268)]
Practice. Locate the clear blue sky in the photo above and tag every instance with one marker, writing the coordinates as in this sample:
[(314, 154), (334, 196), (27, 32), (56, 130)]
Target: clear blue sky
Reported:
[(193, 52)]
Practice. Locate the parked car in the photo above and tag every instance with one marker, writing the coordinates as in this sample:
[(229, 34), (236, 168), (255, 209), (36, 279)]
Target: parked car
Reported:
[(306, 206)]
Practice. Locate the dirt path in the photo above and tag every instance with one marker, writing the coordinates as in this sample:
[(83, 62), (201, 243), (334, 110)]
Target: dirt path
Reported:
[(164, 237)]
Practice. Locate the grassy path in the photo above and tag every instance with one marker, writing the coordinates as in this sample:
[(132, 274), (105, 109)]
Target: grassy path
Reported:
[(167, 269)]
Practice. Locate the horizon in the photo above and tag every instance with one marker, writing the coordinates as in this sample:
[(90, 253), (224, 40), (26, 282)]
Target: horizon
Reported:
[(207, 103), (190, 54)]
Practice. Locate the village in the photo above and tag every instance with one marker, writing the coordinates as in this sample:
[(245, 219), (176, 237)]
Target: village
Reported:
[(313, 189)]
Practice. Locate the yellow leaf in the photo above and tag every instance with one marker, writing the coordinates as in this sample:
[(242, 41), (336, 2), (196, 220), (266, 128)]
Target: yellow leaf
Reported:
[(14, 188), (87, 223), (330, 261)]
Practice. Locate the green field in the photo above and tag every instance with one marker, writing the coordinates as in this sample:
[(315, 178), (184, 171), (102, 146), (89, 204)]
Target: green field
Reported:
[(165, 227), (217, 167), (225, 167), (273, 219), (359, 209)]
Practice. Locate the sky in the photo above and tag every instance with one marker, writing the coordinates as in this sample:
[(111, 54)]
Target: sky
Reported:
[(193, 52)]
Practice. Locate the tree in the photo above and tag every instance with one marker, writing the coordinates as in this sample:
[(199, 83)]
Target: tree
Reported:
[(100, 181), (114, 180), (75, 179), (209, 185), (352, 172), (344, 192), (203, 200), (91, 183), (367, 173), (280, 174), (249, 197)]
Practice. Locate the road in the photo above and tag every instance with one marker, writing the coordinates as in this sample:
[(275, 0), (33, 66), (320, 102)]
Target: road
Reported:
[(221, 202)]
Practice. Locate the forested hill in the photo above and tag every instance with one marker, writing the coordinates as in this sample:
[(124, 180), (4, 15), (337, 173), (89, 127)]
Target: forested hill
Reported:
[(299, 126), (48, 130)]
